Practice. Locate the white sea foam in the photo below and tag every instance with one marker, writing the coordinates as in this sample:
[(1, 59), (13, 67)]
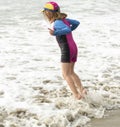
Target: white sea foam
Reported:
[(32, 91)]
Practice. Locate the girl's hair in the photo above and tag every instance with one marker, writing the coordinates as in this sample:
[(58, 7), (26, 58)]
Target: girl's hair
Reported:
[(58, 15), (52, 16)]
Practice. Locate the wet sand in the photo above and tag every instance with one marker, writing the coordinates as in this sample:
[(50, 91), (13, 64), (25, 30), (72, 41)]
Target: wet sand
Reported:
[(111, 120), (32, 90)]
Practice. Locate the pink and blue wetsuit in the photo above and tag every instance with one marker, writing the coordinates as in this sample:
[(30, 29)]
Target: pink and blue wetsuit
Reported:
[(63, 32)]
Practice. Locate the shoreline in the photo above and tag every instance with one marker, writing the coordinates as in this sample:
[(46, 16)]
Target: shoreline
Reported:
[(111, 119)]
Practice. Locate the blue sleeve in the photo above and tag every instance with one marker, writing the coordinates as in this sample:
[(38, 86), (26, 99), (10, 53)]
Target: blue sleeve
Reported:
[(60, 28), (73, 23)]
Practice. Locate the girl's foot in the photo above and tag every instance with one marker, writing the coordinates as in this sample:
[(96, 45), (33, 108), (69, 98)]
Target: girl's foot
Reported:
[(78, 96), (84, 92)]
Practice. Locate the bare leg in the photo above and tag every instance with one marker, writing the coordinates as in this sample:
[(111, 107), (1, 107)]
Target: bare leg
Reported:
[(66, 71), (77, 80)]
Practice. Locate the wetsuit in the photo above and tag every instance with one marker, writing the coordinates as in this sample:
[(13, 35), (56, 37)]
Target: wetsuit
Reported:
[(63, 32)]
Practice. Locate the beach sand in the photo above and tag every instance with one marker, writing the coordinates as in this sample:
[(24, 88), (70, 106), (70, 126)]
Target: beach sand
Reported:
[(32, 90), (112, 119)]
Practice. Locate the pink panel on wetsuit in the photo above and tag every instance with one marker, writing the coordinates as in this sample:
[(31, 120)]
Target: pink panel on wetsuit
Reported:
[(71, 44)]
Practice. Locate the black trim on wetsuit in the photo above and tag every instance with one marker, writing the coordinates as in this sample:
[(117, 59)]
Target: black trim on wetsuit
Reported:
[(65, 52)]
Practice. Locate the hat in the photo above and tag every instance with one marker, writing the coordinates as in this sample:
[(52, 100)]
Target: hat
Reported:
[(51, 6)]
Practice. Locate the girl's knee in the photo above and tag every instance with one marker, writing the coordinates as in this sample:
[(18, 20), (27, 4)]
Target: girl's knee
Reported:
[(63, 75), (66, 75)]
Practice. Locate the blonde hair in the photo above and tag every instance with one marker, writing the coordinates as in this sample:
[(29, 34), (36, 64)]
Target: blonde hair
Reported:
[(52, 16)]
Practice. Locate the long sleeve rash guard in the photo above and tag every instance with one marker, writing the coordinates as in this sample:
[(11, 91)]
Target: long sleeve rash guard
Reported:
[(60, 28), (63, 32)]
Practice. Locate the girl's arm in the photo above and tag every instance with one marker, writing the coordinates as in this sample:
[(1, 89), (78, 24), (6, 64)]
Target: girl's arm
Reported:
[(73, 23), (60, 28)]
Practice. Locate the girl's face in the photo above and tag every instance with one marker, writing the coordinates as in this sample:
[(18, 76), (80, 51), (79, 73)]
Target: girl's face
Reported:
[(48, 14)]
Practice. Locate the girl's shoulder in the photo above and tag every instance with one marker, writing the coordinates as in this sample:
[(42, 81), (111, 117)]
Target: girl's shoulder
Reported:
[(61, 21), (58, 22)]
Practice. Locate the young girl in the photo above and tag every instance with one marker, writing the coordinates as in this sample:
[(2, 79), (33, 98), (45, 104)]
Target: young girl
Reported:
[(62, 29)]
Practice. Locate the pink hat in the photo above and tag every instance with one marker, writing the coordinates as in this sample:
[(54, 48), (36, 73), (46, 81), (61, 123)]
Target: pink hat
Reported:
[(51, 6)]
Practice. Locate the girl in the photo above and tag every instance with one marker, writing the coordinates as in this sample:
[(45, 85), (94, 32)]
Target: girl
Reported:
[(62, 29)]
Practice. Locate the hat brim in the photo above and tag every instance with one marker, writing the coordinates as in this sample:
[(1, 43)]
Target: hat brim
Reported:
[(46, 9), (42, 10)]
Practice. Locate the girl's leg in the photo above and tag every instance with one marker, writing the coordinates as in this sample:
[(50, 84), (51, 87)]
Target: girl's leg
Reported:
[(66, 71), (77, 80)]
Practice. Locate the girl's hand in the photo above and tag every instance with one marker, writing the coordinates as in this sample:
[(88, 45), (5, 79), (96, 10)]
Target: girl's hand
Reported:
[(51, 31)]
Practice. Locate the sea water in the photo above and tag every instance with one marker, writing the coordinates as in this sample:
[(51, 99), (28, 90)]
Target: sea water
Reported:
[(32, 90)]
